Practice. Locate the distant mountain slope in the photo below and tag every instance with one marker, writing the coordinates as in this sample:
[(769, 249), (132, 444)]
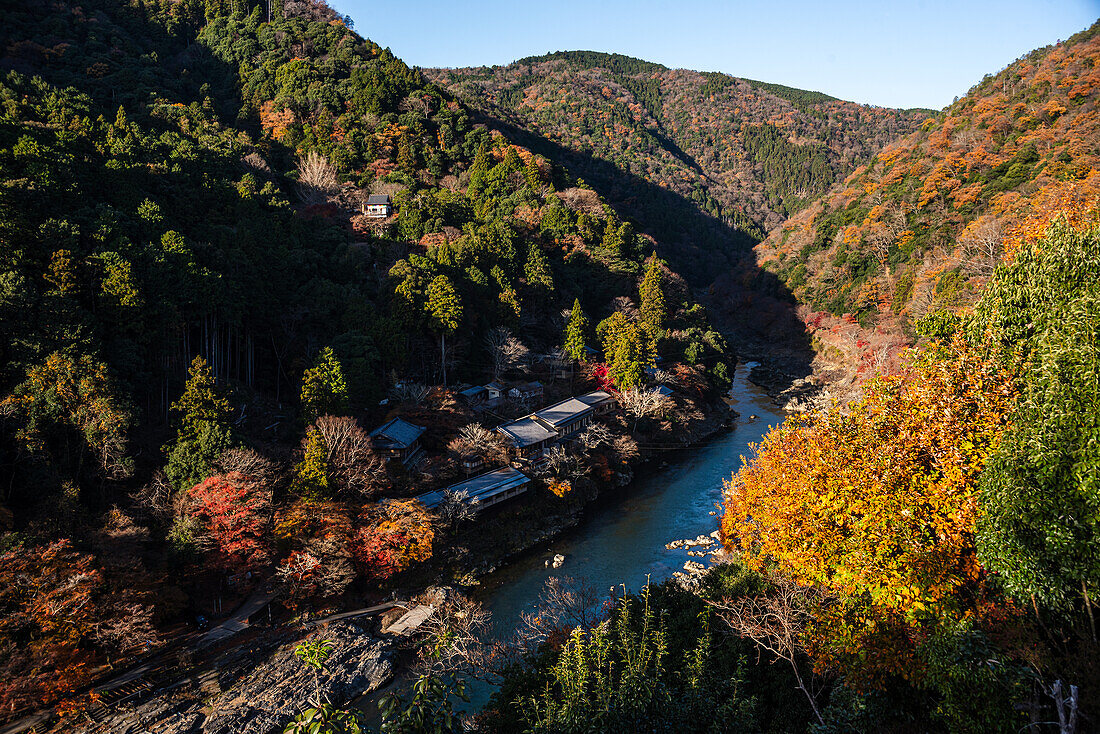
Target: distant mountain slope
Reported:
[(921, 226), (748, 153)]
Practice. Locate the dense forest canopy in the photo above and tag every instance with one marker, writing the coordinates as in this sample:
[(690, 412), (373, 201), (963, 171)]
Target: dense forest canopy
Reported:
[(745, 153), (189, 279), (920, 226), (235, 236)]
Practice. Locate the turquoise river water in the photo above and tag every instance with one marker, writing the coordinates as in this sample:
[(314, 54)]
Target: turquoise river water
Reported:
[(622, 541)]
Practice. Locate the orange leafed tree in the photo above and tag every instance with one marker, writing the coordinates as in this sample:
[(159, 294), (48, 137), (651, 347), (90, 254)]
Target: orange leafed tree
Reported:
[(878, 505), (396, 535), (48, 616), (276, 121)]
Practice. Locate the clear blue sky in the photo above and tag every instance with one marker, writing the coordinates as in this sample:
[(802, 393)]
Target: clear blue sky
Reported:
[(898, 53)]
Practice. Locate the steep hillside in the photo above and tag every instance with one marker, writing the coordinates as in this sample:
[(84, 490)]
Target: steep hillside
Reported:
[(748, 154), (184, 231), (920, 227)]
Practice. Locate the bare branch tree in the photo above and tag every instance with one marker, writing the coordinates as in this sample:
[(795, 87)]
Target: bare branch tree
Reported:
[(981, 247), (560, 463), (156, 499), (475, 439), (358, 470), (456, 634), (776, 622), (644, 403), (505, 351), (248, 462), (127, 630), (595, 436), (455, 509), (317, 179), (565, 603), (410, 392)]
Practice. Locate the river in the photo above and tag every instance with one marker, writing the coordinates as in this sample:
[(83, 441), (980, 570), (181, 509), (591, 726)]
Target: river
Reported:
[(623, 540)]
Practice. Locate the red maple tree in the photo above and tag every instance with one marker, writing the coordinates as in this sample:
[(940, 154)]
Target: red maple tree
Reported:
[(235, 511)]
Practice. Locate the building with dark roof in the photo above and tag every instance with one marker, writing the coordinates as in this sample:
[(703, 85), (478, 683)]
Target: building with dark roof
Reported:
[(484, 490), (528, 392), (377, 206), (398, 439), (529, 436), (567, 417), (601, 400), (475, 394)]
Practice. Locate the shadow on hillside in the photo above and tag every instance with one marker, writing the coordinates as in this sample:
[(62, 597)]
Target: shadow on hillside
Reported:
[(751, 305)]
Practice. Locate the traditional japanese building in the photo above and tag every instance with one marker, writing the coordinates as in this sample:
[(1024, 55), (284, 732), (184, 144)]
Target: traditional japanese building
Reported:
[(482, 491), (398, 439), (378, 206)]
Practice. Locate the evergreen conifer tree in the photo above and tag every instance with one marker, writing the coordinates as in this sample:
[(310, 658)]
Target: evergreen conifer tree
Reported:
[(576, 332), (444, 313), (537, 269), (204, 431), (311, 474), (652, 296)]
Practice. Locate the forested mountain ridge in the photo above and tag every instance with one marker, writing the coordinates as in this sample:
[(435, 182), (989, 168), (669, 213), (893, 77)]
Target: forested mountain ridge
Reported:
[(921, 226), (748, 153), (188, 279), (922, 554)]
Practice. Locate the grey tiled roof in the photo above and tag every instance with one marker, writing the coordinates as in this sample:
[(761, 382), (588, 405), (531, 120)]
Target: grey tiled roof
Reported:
[(480, 487), (397, 434), (526, 431), (595, 397), (564, 412), (374, 199)]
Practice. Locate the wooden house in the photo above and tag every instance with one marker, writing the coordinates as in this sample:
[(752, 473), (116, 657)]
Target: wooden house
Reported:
[(378, 206), (494, 393), (475, 395), (399, 440), (528, 392)]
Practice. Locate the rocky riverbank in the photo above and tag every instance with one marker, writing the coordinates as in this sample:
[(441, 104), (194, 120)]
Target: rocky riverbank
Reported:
[(255, 684), (232, 693)]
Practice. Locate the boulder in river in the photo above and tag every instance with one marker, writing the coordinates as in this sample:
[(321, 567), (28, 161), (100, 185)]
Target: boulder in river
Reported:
[(559, 560)]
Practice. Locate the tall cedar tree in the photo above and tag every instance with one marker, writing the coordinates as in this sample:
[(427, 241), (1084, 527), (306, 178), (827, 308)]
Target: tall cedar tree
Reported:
[(576, 332), (204, 431), (311, 474), (537, 270), (444, 313), (202, 401), (652, 295)]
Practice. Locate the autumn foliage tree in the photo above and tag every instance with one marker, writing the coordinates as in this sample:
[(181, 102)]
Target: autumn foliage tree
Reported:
[(52, 613), (878, 505), (235, 513), (395, 535), (68, 408)]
